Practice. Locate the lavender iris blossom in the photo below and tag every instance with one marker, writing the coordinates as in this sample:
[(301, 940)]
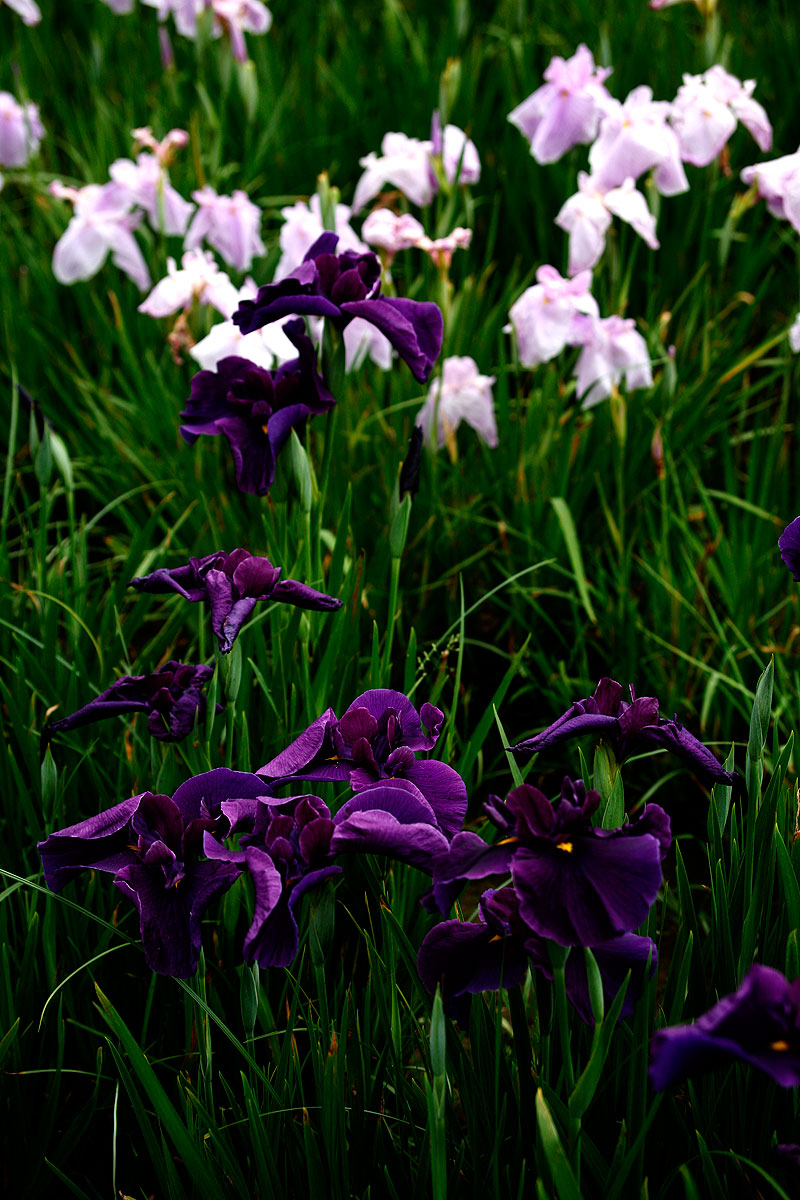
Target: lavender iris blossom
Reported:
[(373, 741), (288, 848), (759, 1024), (629, 728), (605, 880), (233, 583), (256, 409), (467, 957), (789, 546), (152, 845), (171, 697), (341, 288)]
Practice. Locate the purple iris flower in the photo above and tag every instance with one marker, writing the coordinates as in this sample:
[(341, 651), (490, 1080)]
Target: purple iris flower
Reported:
[(171, 696), (467, 957), (233, 583), (257, 409), (375, 740), (288, 847), (629, 728), (759, 1024), (152, 845), (789, 546), (578, 885), (342, 287)]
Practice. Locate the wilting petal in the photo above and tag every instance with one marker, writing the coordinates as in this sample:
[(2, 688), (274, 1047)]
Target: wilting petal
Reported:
[(170, 917)]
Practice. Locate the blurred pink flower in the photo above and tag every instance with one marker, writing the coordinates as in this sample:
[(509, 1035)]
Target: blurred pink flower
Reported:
[(302, 226), (706, 111), (120, 7), (102, 222), (566, 110), (164, 150), (362, 340), (147, 184), (460, 159), (612, 352), (185, 13), (441, 250), (586, 217), (462, 394), (237, 17), (390, 231), (21, 131), (198, 278), (794, 334), (543, 318), (231, 224), (635, 137), (778, 182), (30, 12), (404, 162)]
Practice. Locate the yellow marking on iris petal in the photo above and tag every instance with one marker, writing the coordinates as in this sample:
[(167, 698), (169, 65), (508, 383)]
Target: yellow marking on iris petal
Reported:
[(566, 846), (780, 1046), (264, 428)]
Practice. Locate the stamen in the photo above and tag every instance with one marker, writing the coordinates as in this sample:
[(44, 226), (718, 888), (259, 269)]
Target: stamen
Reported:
[(566, 846)]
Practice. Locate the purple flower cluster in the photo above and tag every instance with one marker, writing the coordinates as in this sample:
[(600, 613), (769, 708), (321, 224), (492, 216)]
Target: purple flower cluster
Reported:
[(629, 727), (233, 583), (572, 883)]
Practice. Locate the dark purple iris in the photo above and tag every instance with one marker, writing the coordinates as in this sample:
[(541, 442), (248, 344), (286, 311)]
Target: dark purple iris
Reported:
[(233, 583), (171, 696), (467, 957), (759, 1024), (578, 885), (288, 847), (152, 845), (340, 288), (257, 409), (789, 546), (629, 728), (376, 740)]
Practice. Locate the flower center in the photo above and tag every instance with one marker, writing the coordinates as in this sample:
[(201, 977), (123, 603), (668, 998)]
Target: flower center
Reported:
[(565, 846), (780, 1046)]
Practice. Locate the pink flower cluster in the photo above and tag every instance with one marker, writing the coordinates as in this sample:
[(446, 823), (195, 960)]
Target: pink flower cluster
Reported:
[(106, 216)]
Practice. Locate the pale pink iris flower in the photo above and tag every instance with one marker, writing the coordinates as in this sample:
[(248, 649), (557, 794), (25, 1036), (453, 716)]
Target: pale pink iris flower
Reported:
[(184, 12), (231, 224), (361, 341), (613, 353), (302, 225), (404, 163), (234, 18), (267, 347), (634, 137), (586, 217), (30, 12), (390, 231), (778, 182), (565, 111), (706, 111), (102, 222), (544, 316), (21, 131), (197, 279), (147, 183), (462, 394), (460, 159)]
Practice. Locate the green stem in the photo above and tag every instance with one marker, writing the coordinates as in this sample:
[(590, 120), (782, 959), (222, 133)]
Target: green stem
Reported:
[(524, 1057), (394, 587)]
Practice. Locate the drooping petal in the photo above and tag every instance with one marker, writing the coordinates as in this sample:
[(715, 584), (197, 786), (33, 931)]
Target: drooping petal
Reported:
[(100, 843), (391, 820)]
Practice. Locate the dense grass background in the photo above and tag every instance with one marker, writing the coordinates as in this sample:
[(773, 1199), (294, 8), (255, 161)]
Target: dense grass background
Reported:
[(670, 581)]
